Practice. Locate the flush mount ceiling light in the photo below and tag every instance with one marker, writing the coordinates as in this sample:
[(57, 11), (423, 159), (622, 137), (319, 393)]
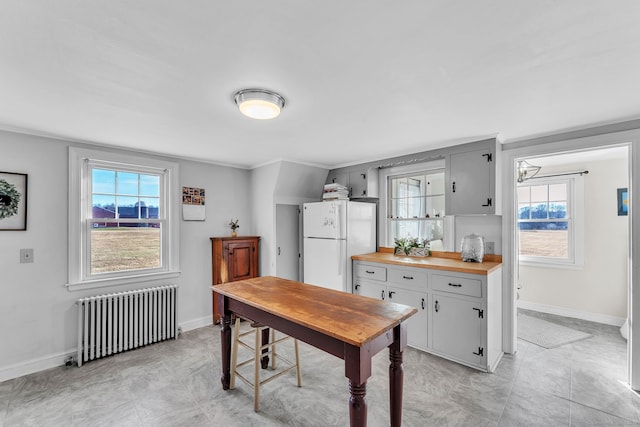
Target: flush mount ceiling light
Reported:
[(259, 104), (526, 170)]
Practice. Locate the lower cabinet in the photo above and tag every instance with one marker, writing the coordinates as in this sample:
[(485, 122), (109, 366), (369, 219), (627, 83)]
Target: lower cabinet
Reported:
[(457, 329), (416, 331), (459, 314)]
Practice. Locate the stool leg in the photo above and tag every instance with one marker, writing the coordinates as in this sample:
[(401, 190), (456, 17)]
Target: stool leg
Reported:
[(273, 349), (298, 370), (234, 353), (256, 371)]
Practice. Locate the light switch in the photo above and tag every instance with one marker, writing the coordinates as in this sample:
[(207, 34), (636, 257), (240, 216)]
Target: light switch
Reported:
[(26, 255)]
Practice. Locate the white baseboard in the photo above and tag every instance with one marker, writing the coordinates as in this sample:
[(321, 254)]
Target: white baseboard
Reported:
[(34, 365), (54, 360), (196, 323), (567, 312)]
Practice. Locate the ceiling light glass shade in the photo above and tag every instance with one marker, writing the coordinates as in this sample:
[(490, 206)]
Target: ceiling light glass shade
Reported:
[(526, 170), (259, 103)]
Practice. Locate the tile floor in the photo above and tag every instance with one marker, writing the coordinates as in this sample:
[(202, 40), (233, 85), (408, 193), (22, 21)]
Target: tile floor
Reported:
[(176, 383)]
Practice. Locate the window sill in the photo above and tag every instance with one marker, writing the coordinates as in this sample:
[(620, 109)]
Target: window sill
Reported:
[(103, 283), (542, 264)]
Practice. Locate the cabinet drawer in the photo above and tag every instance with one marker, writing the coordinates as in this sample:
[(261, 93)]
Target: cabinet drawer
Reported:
[(408, 277), (371, 272), (457, 285)]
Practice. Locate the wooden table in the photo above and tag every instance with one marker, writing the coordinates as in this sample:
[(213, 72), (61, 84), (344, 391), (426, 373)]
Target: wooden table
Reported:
[(351, 327)]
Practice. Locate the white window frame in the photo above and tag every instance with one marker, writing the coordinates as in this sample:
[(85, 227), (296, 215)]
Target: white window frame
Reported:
[(575, 208), (383, 179), (80, 210)]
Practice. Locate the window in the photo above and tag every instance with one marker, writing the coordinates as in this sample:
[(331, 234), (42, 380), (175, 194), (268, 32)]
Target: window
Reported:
[(416, 205), (121, 221), (550, 221)]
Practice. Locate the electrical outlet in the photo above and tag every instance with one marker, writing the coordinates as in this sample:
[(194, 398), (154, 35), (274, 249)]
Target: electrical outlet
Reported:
[(26, 255), (490, 247)]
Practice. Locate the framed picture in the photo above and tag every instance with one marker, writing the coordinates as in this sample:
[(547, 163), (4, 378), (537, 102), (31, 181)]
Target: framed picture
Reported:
[(13, 201), (623, 201)]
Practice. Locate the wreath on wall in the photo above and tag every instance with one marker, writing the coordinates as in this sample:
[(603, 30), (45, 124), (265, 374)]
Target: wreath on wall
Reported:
[(9, 199)]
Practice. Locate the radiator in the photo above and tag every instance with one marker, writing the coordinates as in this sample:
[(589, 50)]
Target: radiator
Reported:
[(113, 323)]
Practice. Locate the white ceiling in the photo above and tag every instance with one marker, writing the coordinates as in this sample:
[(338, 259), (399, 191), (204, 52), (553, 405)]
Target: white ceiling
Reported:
[(363, 80)]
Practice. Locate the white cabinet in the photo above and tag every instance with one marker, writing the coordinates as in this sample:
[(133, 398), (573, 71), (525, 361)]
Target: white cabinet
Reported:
[(362, 183), (417, 335), (466, 317), (472, 185), (457, 329), (459, 314), (402, 286)]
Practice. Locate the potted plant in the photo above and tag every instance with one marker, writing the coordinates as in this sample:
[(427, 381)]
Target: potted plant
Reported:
[(411, 246), (234, 226)]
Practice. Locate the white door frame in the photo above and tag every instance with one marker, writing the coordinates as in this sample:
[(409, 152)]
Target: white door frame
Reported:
[(539, 148)]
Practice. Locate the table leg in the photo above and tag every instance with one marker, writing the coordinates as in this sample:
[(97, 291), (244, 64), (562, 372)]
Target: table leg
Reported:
[(396, 376), (225, 340), (264, 360), (357, 404)]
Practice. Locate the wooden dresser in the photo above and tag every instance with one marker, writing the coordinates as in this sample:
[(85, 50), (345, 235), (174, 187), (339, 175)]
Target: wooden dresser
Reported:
[(232, 258)]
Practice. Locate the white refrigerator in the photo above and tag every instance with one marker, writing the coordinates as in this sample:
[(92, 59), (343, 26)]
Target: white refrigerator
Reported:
[(333, 232)]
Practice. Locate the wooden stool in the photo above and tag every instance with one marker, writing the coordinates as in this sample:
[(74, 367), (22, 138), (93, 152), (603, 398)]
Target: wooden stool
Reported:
[(260, 352)]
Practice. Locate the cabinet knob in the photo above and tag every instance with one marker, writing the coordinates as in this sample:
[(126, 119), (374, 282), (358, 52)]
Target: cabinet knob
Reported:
[(408, 277), (437, 306), (453, 186), (422, 305), (382, 294), (455, 285), (369, 272)]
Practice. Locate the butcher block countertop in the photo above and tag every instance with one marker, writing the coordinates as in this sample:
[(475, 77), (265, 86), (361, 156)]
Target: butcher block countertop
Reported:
[(449, 261)]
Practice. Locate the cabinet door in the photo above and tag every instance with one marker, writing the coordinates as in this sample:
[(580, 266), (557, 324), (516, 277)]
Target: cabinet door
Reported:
[(470, 184), (369, 289), (340, 178), (416, 324), (358, 183), (241, 266), (457, 329)]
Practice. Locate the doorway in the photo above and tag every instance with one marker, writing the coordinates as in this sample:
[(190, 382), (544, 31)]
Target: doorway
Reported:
[(562, 144), (288, 241)]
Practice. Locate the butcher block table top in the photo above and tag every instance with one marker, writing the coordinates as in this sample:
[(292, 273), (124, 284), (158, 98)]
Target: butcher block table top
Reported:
[(450, 261), (349, 318)]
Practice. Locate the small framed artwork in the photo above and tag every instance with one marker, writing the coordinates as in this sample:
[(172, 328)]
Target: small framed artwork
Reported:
[(13, 201), (623, 201), (193, 204)]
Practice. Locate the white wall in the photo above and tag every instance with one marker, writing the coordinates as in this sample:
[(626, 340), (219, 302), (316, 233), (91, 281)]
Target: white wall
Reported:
[(280, 182), (37, 312), (601, 287)]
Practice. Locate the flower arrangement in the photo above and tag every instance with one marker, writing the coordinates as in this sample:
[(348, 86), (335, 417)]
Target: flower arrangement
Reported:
[(234, 225), (411, 246)]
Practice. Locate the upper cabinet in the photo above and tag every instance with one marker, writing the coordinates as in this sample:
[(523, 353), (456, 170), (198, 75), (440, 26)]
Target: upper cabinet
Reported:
[(362, 183), (471, 184), (338, 178)]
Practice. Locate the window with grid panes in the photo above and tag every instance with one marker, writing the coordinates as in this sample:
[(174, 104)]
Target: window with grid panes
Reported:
[(547, 221), (416, 206)]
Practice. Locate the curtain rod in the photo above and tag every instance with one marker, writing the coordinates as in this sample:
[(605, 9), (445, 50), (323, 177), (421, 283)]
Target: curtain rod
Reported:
[(559, 174)]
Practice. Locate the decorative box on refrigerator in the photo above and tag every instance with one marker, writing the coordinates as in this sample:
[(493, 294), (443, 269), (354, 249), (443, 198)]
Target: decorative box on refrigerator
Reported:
[(333, 232)]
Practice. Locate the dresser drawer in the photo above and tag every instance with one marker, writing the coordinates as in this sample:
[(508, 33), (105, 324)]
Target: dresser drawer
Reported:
[(371, 272), (457, 285), (408, 277)]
